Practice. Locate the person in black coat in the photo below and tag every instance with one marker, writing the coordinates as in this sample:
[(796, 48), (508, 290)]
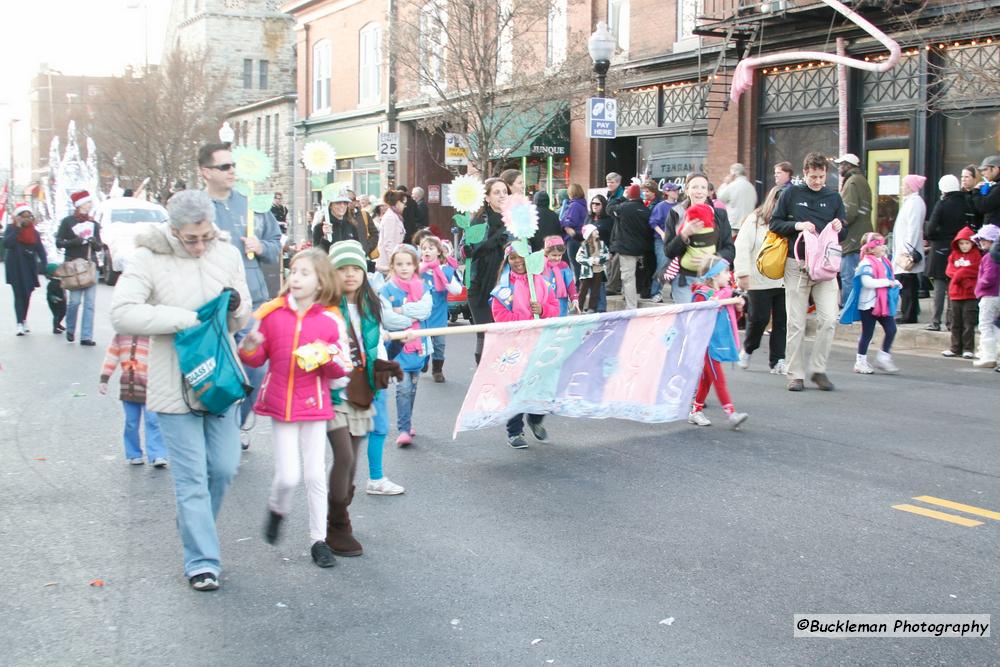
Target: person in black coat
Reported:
[(24, 258), (409, 216), (548, 220), (80, 236), (334, 223), (948, 217), (986, 197), (487, 256), (630, 240)]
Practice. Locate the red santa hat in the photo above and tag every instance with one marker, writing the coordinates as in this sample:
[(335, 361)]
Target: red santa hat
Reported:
[(702, 212), (22, 208), (80, 198)]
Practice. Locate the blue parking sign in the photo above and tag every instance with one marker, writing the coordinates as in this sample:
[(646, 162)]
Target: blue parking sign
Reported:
[(602, 118)]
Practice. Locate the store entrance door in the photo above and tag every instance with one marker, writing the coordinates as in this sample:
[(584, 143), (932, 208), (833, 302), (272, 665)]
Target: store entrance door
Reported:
[(886, 169)]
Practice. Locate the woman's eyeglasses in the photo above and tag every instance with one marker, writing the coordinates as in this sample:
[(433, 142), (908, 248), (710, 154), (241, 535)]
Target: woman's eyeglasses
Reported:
[(195, 241)]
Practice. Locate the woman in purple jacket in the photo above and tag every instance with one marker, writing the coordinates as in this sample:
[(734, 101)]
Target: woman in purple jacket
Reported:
[(573, 219)]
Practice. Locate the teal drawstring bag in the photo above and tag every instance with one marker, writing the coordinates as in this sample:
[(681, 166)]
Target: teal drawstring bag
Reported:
[(210, 370)]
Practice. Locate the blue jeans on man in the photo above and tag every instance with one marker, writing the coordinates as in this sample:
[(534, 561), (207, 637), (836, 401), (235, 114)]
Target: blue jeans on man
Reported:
[(204, 458), (155, 447), (87, 324), (848, 265)]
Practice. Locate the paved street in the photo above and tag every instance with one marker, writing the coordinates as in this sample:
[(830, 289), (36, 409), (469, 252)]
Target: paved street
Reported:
[(590, 544)]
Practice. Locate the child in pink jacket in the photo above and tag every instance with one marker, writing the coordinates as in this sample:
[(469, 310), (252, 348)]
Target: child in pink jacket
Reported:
[(511, 301), (300, 335)]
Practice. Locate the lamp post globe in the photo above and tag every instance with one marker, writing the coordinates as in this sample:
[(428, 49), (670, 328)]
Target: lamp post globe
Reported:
[(226, 133)]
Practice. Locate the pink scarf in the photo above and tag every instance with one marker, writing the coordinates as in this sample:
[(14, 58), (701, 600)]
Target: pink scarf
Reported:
[(880, 268), (440, 282), (452, 262), (556, 269), (414, 290)]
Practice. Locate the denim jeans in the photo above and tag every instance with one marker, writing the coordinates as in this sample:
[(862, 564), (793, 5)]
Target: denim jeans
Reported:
[(515, 425), (87, 325), (376, 439), (602, 299), (438, 343), (661, 265), (204, 458), (255, 376), (406, 396), (681, 293), (848, 265), (155, 448)]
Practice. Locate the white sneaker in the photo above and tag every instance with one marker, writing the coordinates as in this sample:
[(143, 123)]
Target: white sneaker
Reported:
[(736, 420), (657, 298), (21, 330), (862, 366), (744, 361), (883, 362), (968, 355), (160, 463), (780, 368), (699, 419), (383, 487), (948, 353), (136, 462), (244, 440)]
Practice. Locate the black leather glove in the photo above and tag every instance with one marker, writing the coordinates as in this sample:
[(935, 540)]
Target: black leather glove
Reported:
[(234, 299)]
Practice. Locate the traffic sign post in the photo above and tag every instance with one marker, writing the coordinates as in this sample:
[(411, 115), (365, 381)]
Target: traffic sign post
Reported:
[(602, 118)]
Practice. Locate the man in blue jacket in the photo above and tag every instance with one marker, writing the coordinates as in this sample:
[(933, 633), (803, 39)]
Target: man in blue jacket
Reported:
[(809, 207), (217, 168)]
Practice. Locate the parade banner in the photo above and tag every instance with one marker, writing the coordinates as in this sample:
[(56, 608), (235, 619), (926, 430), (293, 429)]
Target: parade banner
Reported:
[(642, 365)]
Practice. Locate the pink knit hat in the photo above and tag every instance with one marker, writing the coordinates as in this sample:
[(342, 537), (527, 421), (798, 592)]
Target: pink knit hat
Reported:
[(588, 229), (915, 182)]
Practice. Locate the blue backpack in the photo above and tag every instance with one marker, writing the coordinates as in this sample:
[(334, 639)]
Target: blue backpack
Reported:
[(210, 369)]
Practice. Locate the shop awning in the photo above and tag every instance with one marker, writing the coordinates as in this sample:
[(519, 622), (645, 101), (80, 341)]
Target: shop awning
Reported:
[(521, 136)]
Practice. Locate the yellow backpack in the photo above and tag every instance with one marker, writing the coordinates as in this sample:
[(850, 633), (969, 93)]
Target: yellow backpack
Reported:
[(771, 260)]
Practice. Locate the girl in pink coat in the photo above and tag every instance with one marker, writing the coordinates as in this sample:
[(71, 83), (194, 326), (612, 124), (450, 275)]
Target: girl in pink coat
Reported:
[(299, 333), (511, 301)]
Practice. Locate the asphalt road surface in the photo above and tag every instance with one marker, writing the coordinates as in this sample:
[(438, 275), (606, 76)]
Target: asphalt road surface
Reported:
[(617, 543)]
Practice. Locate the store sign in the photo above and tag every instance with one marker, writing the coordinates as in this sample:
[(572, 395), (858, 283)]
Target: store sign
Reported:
[(456, 150), (433, 194), (602, 118), (554, 151), (388, 147)]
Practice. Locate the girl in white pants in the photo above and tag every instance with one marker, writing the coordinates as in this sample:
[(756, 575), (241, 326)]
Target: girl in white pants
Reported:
[(299, 334)]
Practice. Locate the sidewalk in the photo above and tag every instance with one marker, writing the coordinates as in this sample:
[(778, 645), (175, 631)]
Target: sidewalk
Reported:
[(910, 338)]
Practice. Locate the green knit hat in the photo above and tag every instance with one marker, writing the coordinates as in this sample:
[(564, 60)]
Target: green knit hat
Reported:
[(348, 253)]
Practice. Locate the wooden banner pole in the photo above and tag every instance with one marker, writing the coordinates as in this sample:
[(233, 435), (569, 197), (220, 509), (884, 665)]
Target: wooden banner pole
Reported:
[(576, 319)]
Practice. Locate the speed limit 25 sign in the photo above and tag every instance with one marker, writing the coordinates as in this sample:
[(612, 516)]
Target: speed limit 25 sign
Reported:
[(388, 146)]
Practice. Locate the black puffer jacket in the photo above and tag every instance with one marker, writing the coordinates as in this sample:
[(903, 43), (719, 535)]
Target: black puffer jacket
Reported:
[(950, 215), (548, 220), (631, 234), (486, 256)]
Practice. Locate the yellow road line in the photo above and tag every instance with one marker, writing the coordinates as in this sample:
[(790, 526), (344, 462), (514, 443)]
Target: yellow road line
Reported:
[(934, 514), (968, 509)]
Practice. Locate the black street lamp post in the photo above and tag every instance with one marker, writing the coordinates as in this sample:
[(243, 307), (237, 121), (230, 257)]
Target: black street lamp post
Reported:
[(601, 47)]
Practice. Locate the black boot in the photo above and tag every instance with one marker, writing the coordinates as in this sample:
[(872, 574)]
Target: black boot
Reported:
[(437, 366), (273, 527)]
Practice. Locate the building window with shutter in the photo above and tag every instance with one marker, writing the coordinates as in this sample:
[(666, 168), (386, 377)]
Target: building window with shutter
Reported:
[(262, 78), (247, 73), (321, 77), (369, 80)]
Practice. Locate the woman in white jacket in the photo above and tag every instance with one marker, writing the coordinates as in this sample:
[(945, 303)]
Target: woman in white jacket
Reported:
[(767, 296), (907, 239), (179, 266), (392, 232)]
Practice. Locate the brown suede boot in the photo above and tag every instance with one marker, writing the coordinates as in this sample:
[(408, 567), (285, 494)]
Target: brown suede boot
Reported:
[(338, 528), (437, 366)]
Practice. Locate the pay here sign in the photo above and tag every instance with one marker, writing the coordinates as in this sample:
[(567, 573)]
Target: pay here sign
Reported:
[(602, 118)]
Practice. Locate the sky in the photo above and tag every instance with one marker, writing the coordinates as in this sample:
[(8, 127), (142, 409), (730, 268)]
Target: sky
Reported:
[(96, 37)]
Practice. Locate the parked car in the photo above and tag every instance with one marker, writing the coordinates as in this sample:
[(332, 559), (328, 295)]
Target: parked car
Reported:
[(122, 218)]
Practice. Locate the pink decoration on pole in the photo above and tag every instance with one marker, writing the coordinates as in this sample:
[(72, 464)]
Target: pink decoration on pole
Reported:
[(743, 74)]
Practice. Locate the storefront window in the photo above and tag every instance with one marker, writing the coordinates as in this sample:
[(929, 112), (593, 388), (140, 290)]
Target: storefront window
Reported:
[(793, 143), (970, 138), (535, 170), (672, 157)]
